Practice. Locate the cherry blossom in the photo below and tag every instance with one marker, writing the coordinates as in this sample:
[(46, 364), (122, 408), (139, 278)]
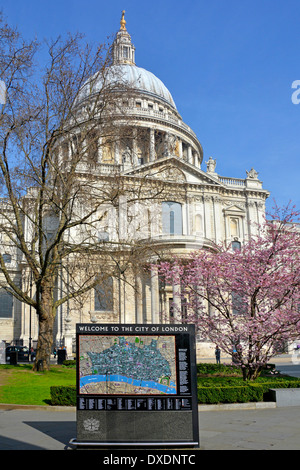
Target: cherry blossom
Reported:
[(247, 301)]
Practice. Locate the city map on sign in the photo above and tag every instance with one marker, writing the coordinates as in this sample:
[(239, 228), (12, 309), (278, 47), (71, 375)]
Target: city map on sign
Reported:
[(127, 365)]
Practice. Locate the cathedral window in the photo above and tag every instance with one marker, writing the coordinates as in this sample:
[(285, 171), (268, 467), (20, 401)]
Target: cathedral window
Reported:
[(172, 218), (103, 296), (6, 304)]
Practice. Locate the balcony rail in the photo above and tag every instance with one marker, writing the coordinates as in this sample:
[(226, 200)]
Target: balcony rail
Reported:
[(132, 110), (232, 181)]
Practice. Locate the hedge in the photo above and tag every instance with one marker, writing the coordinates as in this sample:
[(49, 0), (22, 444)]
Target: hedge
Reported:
[(250, 392), (63, 395), (66, 395), (227, 369), (254, 392), (230, 393), (238, 394)]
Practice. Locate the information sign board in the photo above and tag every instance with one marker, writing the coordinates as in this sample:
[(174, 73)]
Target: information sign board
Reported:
[(136, 385)]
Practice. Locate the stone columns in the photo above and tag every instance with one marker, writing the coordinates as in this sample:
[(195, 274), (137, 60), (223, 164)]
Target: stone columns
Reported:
[(139, 299), (100, 149), (152, 145), (180, 148), (68, 336), (154, 296), (166, 151), (190, 155), (185, 219), (116, 153), (177, 303), (134, 148)]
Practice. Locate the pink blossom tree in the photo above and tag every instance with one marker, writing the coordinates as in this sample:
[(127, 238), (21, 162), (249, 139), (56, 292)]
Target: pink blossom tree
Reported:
[(248, 300)]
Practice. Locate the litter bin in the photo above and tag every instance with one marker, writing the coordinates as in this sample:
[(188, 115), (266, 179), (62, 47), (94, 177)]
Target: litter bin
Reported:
[(13, 359), (61, 356)]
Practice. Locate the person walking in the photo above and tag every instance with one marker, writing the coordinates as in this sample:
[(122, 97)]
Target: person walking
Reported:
[(218, 354)]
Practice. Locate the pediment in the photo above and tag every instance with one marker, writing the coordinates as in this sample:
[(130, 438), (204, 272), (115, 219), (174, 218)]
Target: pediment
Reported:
[(234, 209), (174, 170), (168, 172)]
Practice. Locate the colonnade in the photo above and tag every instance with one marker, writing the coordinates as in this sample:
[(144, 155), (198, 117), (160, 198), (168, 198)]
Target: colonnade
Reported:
[(139, 149), (154, 307), (169, 144)]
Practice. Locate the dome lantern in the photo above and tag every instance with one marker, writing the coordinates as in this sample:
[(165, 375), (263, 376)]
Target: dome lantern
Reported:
[(123, 49)]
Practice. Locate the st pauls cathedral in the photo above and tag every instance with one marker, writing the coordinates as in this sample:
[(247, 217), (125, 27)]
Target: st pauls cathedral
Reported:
[(196, 208)]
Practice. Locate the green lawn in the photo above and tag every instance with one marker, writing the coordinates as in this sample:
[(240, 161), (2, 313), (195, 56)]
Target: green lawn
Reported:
[(20, 385)]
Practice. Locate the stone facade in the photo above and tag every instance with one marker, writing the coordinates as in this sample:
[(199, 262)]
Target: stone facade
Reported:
[(202, 207)]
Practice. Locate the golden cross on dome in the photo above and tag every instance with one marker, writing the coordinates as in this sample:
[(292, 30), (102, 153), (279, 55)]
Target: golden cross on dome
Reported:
[(123, 22)]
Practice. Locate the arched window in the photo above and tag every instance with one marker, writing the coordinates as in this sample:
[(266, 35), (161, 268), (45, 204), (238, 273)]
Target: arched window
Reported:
[(171, 218), (103, 296), (6, 304)]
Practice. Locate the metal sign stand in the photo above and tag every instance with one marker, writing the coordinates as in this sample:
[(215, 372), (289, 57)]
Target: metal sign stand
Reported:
[(136, 386)]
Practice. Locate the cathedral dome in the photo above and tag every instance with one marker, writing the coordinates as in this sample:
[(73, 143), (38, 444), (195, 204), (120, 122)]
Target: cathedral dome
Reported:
[(135, 78), (137, 98), (144, 81), (124, 72)]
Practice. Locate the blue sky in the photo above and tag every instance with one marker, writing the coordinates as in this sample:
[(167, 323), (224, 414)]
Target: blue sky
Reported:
[(229, 66)]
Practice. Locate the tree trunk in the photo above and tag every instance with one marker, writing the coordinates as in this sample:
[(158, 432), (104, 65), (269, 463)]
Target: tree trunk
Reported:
[(46, 315), (250, 372)]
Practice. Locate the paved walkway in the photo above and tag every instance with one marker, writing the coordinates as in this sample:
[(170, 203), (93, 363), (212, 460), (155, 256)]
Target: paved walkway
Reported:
[(225, 429), (263, 427), (258, 429), (36, 429)]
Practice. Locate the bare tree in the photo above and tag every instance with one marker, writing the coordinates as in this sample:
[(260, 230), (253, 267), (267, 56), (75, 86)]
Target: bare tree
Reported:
[(62, 108)]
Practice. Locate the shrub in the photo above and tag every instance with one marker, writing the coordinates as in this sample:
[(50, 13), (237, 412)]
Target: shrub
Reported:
[(63, 396), (69, 363)]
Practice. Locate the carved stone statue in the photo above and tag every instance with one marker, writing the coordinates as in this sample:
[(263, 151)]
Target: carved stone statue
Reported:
[(172, 141), (252, 174), (211, 165)]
